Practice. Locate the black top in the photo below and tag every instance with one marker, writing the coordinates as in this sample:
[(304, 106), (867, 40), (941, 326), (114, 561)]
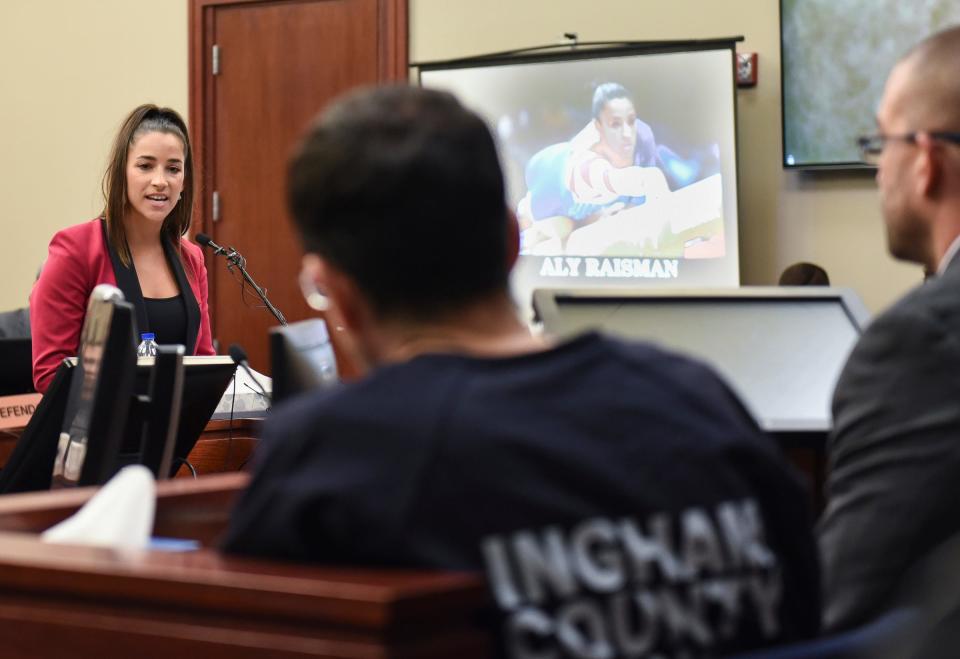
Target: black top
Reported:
[(167, 318), (614, 494), (128, 283)]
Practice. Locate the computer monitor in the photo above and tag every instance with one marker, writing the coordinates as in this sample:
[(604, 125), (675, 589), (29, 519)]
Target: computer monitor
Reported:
[(205, 379), (162, 411), (301, 358), (29, 467), (100, 392), (16, 375), (781, 349)]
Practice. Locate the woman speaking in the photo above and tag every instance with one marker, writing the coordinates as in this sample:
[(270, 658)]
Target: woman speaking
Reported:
[(136, 244)]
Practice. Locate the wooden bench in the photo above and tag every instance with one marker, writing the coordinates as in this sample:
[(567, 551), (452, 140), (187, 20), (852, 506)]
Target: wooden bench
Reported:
[(58, 600)]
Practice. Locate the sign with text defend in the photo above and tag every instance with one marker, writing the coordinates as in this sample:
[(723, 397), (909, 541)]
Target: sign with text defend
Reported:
[(15, 411)]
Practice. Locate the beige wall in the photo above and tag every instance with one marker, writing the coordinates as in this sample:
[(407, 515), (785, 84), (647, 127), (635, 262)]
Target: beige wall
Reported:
[(70, 70), (831, 219)]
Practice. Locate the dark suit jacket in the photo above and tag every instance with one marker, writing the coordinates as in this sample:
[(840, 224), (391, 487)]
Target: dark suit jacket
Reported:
[(894, 484), (15, 324), (80, 257)]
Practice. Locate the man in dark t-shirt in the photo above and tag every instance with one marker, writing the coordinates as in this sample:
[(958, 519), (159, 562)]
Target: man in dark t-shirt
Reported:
[(619, 498)]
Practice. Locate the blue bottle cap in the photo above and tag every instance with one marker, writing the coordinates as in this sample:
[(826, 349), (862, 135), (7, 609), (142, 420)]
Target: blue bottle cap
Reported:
[(147, 336)]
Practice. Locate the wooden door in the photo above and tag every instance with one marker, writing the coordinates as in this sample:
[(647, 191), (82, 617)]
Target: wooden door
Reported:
[(260, 70)]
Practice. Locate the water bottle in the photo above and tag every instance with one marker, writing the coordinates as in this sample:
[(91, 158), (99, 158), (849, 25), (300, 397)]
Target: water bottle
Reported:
[(147, 347)]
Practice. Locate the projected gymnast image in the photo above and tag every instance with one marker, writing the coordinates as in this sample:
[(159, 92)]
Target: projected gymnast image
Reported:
[(612, 190), (620, 165)]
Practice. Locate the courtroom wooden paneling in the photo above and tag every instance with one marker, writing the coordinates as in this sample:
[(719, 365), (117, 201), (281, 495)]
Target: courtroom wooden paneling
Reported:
[(280, 62), (58, 600), (147, 604), (223, 446), (186, 508)]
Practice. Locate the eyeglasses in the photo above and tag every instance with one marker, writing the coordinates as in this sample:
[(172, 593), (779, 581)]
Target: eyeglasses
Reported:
[(871, 146)]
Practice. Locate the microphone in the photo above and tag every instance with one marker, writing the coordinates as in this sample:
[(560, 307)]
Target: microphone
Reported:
[(234, 258), (206, 241), (239, 357)]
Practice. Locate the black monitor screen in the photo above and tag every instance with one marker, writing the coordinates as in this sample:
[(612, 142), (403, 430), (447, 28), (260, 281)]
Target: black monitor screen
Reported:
[(100, 393), (30, 465), (16, 367), (204, 381), (781, 349), (162, 411)]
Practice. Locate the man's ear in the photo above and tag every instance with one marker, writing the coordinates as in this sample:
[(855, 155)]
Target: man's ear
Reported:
[(513, 239), (928, 166), (337, 287), (345, 312)]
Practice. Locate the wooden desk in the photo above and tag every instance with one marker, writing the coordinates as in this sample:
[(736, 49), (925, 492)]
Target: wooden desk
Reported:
[(83, 602), (221, 448), (218, 449), (186, 508)]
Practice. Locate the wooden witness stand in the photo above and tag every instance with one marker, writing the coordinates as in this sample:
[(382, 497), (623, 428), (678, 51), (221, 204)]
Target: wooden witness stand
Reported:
[(223, 446), (59, 600)]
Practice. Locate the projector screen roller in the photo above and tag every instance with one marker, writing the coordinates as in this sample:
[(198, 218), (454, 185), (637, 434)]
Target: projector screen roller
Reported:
[(620, 165)]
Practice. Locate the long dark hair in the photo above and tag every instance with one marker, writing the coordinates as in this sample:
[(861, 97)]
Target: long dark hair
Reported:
[(144, 119)]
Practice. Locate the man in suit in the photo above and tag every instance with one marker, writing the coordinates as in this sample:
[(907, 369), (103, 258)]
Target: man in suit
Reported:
[(894, 484)]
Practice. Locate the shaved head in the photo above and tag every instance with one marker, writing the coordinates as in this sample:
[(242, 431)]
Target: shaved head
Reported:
[(919, 177), (932, 83)]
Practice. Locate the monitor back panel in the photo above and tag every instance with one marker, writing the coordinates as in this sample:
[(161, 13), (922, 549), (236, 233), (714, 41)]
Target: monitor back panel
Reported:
[(781, 354)]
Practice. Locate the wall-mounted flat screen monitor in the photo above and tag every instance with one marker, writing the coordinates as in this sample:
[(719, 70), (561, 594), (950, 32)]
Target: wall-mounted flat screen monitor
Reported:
[(781, 349), (621, 164), (835, 56)]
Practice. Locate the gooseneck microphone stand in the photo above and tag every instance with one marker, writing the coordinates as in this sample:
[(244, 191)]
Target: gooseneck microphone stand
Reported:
[(236, 260)]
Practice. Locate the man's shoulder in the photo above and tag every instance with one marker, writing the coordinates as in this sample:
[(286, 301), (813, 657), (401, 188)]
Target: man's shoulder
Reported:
[(933, 303), (667, 367), (363, 402), (637, 351), (593, 367), (901, 368), (665, 389), (302, 409)]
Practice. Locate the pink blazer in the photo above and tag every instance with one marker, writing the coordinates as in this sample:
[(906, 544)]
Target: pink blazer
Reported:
[(79, 258)]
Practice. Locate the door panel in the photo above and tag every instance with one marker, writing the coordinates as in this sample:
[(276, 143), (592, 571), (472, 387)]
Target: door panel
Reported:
[(279, 64)]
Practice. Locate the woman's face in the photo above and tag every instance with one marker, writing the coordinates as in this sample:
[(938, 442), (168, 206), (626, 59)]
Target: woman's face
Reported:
[(617, 125), (155, 164)]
